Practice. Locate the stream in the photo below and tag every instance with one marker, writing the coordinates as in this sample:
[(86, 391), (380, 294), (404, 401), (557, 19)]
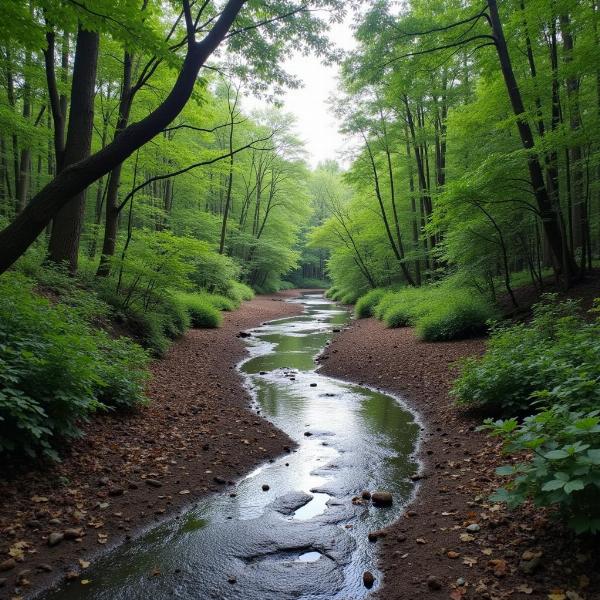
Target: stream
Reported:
[(304, 537)]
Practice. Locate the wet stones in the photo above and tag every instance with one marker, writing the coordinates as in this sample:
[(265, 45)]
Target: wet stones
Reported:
[(55, 538), (368, 579), (382, 499), (265, 487), (153, 483), (290, 503)]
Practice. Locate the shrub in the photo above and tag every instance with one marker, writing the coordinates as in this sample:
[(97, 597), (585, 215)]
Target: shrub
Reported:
[(562, 465), (450, 318), (56, 370), (239, 292), (388, 300), (331, 291), (553, 359), (148, 329), (367, 303), (202, 312)]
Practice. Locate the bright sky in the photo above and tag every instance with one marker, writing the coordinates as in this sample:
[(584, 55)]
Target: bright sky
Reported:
[(316, 125)]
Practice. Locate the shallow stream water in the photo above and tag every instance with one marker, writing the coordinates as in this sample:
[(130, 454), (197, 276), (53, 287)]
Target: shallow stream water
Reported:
[(303, 538)]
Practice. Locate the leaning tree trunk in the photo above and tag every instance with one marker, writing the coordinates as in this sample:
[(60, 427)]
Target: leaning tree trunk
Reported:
[(67, 224), (24, 230)]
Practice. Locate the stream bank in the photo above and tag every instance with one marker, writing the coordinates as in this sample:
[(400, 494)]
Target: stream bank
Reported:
[(429, 552), (132, 471)]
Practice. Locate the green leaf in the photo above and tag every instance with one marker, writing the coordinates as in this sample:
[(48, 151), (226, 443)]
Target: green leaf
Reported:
[(554, 484)]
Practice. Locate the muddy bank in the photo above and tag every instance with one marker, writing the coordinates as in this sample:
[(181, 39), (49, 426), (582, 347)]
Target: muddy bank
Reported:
[(131, 471), (452, 542)]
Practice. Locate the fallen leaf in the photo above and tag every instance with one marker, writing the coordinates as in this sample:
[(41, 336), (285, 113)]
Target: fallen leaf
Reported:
[(84, 564), (524, 589), (469, 561), (453, 554), (498, 566), (487, 551), (86, 581), (466, 537)]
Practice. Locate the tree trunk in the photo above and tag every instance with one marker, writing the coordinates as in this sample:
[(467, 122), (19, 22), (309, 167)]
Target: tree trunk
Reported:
[(563, 260), (68, 223)]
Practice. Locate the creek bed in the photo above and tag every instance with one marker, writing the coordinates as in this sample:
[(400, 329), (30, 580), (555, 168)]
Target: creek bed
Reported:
[(303, 537)]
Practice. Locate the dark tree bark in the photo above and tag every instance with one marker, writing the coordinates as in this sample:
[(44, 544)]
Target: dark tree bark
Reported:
[(23, 231), (68, 222)]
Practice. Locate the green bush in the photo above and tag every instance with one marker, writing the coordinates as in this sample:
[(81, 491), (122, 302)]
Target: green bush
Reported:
[(239, 292), (403, 307), (367, 303), (56, 370), (149, 330), (553, 359), (331, 291), (222, 302), (202, 312), (562, 464), (453, 317)]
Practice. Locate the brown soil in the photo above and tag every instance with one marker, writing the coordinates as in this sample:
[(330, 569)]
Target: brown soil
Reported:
[(129, 472), (427, 552)]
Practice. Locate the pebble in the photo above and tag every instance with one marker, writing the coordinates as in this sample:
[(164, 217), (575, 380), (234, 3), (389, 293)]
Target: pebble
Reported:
[(8, 564), (368, 579), (366, 495), (153, 483), (44, 567), (473, 528), (55, 538), (433, 583), (232, 580), (382, 499), (265, 487), (73, 534)]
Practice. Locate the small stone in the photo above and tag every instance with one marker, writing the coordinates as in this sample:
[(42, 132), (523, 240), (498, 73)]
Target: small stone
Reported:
[(44, 567), (529, 566), (313, 385), (307, 433), (219, 480), (382, 499), (8, 564), (116, 491), (265, 487), (153, 483), (232, 580), (460, 581), (433, 583), (366, 495), (368, 579), (474, 528), (73, 534), (55, 538), (375, 535)]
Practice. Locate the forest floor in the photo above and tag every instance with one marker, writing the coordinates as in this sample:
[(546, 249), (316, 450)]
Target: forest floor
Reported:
[(129, 472), (452, 542)]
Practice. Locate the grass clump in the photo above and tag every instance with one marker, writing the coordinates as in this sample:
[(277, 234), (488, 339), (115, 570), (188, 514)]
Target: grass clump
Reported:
[(367, 303), (202, 311), (439, 312), (239, 292), (452, 317)]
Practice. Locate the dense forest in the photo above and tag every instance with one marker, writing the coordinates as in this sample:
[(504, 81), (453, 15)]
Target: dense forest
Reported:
[(151, 178)]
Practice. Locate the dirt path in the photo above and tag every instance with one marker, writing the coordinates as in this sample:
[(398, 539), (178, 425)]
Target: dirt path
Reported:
[(129, 472), (453, 542)]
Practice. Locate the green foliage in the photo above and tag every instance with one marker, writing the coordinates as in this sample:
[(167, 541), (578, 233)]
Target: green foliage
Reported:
[(367, 303), (561, 466), (459, 315), (330, 292), (202, 311), (439, 312), (56, 370), (552, 359), (239, 292)]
